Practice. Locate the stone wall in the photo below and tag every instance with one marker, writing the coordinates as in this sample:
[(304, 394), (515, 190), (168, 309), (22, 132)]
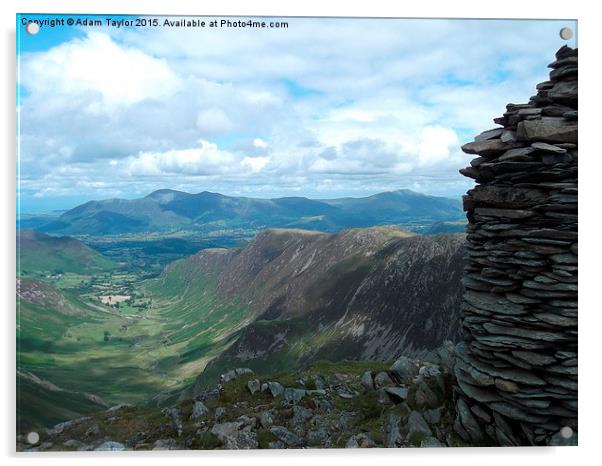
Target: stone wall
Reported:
[(517, 364)]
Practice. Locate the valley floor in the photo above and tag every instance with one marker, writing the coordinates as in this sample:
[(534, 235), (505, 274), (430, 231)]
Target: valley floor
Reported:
[(113, 354)]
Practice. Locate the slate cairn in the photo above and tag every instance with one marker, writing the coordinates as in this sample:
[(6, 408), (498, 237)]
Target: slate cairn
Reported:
[(516, 367)]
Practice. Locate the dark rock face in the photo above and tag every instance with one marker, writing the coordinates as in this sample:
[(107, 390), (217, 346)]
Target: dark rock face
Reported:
[(517, 366)]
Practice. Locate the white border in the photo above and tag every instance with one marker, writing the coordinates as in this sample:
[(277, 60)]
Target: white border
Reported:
[(590, 393)]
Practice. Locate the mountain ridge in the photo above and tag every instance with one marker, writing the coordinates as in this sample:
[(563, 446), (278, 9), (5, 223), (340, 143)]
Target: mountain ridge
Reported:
[(37, 252), (171, 210), (302, 296)]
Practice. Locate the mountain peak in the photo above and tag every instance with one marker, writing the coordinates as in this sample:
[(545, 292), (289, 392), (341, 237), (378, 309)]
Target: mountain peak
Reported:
[(164, 196)]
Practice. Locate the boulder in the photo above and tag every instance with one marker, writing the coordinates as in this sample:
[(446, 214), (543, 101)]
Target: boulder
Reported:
[(93, 431), (397, 394), (425, 397), (367, 381), (266, 419), (404, 368), (220, 412), (489, 147), (198, 410), (75, 445), (293, 395), (318, 438), (118, 407), (226, 429), (417, 427), (276, 389), (382, 379), (243, 440), (392, 434), (254, 386), (234, 373), (111, 446), (432, 442), (301, 414), (174, 414), (494, 133), (286, 436), (360, 441), (433, 416), (548, 129), (165, 444), (469, 422)]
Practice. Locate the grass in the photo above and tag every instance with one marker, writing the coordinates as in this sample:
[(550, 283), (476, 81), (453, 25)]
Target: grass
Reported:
[(40, 253), (40, 407), (264, 438), (127, 354), (206, 441), (349, 367)]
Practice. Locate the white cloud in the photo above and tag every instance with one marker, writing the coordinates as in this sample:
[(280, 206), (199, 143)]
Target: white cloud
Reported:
[(256, 164), (203, 160), (213, 121), (436, 144), (259, 143), (96, 64), (360, 116), (327, 107)]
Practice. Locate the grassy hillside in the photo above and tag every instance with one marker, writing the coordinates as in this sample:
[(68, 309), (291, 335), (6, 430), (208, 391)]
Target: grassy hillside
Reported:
[(83, 348), (41, 404), (198, 323), (119, 354), (40, 253)]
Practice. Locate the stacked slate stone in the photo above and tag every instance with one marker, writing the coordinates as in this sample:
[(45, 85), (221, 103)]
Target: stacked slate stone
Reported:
[(516, 368)]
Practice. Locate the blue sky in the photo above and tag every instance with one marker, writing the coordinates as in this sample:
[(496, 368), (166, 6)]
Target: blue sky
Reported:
[(324, 108)]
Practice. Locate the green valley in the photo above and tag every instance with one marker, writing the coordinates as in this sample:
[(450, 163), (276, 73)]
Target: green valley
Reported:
[(109, 332)]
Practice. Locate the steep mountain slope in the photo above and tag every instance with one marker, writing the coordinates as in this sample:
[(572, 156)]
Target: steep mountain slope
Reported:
[(41, 403), (293, 296), (168, 210), (37, 252), (72, 355), (44, 315)]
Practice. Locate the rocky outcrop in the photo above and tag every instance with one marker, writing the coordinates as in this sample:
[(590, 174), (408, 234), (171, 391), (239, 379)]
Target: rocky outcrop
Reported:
[(328, 405), (517, 366)]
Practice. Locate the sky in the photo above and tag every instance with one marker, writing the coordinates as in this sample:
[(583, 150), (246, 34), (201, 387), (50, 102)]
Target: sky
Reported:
[(328, 107)]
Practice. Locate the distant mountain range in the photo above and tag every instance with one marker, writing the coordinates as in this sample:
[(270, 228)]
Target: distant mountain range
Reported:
[(169, 210)]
